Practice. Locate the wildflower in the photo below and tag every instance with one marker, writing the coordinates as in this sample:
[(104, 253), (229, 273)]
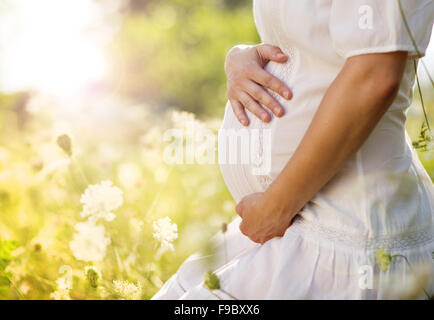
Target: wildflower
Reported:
[(100, 200), (92, 276), (37, 247), (224, 230), (127, 290), (211, 281), (425, 139), (60, 295), (165, 232), (64, 285), (25, 288), (383, 259), (224, 227), (90, 242), (64, 142)]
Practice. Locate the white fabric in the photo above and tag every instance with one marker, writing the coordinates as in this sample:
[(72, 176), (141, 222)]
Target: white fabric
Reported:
[(382, 198)]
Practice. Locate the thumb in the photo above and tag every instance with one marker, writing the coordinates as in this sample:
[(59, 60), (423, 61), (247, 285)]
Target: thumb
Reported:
[(270, 53)]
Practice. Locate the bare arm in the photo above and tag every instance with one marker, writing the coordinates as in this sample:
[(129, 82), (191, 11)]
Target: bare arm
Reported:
[(349, 111)]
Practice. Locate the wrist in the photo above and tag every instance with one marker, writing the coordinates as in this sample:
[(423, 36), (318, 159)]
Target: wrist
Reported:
[(280, 199)]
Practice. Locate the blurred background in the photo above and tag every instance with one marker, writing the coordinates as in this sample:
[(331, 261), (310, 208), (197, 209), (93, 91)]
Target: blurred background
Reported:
[(87, 88)]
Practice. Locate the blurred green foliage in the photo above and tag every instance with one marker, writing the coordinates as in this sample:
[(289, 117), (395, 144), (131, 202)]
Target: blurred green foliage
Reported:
[(40, 190), (171, 53), (6, 249)]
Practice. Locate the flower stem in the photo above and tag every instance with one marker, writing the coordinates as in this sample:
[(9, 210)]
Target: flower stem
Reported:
[(225, 247), (410, 34), (413, 41), (160, 191), (421, 97), (227, 293)]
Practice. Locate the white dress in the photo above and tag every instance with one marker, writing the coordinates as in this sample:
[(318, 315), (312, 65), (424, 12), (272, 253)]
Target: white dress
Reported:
[(382, 198)]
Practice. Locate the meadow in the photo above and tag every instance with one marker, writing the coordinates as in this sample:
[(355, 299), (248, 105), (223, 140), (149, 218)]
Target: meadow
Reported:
[(89, 209)]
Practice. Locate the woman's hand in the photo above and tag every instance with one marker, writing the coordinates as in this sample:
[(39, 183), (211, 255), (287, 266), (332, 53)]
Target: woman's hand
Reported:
[(262, 220), (247, 80)]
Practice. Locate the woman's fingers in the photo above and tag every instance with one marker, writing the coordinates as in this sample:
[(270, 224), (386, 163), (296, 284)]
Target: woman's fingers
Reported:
[(261, 95), (248, 82), (270, 53), (269, 81), (239, 112), (250, 104)]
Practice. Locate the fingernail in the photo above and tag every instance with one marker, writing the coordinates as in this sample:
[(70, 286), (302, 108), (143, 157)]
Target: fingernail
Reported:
[(264, 117), (277, 111), (287, 94), (281, 55)]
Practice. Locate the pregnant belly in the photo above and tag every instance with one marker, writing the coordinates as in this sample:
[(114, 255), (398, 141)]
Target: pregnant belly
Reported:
[(369, 190), (252, 157), (244, 154)]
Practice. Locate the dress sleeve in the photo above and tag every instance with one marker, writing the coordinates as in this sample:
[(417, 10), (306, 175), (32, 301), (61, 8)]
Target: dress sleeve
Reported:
[(375, 26)]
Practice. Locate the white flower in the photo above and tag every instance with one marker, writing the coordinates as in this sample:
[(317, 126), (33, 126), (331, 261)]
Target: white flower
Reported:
[(90, 242), (60, 295), (165, 232), (100, 200), (25, 288), (127, 290), (64, 285)]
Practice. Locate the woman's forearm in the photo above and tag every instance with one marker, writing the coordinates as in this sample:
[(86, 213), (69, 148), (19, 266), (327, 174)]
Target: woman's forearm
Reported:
[(348, 113)]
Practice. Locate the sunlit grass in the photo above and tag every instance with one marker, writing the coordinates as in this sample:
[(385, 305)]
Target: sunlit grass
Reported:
[(42, 180), (40, 190), (54, 146)]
